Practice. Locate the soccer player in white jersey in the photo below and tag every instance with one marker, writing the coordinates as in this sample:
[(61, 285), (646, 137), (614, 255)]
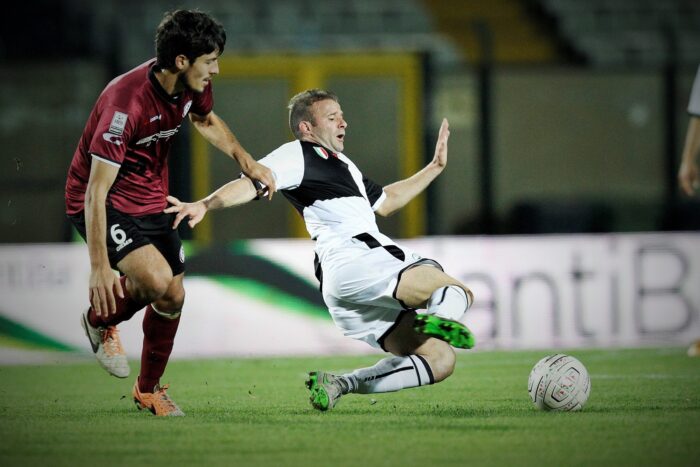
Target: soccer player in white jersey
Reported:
[(689, 174), (371, 285)]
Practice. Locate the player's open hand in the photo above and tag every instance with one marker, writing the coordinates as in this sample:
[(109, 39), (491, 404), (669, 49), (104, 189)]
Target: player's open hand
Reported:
[(194, 211), (103, 286), (440, 158), (259, 172), (689, 178)]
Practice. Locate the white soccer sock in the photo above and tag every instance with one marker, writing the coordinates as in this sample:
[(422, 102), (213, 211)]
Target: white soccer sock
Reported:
[(450, 302), (390, 374)]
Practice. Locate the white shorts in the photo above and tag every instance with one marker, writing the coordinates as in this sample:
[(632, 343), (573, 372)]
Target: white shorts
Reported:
[(359, 285)]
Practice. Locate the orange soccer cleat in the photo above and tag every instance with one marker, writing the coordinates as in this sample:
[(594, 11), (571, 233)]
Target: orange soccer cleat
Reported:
[(107, 347), (158, 401)]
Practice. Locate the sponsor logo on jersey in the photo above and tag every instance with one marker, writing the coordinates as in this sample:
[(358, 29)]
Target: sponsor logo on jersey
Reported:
[(321, 152), (153, 119), (187, 108), (112, 138), (165, 134), (182, 254), (118, 123)]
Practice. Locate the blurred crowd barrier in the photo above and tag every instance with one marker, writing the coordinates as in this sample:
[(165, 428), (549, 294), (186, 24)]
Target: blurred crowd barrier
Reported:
[(614, 290)]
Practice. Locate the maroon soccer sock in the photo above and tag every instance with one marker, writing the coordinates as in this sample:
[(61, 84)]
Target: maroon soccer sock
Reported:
[(158, 338), (126, 308)]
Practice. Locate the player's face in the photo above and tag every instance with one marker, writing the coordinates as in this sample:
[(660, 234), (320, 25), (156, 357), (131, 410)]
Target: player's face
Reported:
[(328, 128), (198, 74)]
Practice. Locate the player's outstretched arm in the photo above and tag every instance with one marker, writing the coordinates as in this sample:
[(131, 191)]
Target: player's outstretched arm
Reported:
[(398, 194), (237, 192), (217, 132), (688, 174)]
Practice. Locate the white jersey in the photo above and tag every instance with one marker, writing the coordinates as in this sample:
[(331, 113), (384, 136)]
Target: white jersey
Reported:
[(359, 267), (328, 189), (694, 102)]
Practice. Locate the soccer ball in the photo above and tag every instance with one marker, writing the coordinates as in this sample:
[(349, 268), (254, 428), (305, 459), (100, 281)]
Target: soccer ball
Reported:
[(559, 382)]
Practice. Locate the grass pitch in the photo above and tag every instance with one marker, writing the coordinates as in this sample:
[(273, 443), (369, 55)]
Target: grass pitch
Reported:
[(644, 409)]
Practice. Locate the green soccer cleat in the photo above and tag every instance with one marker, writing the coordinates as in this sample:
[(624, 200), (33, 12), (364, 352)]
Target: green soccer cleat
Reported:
[(325, 390), (454, 333)]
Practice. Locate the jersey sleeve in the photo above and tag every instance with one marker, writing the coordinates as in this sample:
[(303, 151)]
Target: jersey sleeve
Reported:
[(694, 102), (375, 193), (287, 165), (203, 102), (112, 133)]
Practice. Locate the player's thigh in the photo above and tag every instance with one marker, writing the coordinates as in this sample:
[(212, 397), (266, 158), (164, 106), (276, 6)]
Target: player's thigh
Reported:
[(157, 228), (417, 284), (146, 267), (163, 256)]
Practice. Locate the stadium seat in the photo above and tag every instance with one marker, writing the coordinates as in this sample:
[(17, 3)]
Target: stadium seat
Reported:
[(629, 32)]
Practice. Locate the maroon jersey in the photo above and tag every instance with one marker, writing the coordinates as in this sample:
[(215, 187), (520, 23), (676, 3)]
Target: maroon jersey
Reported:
[(131, 127)]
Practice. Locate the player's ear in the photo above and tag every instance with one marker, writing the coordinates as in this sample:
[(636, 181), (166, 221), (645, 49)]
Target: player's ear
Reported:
[(305, 126), (181, 62)]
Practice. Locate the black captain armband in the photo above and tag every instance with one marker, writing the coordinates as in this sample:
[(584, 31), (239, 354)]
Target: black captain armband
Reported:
[(260, 189)]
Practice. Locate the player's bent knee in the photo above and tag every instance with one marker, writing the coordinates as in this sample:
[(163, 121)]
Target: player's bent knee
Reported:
[(174, 301), (152, 285)]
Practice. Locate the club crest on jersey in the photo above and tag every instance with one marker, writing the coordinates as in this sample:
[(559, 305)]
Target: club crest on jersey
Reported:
[(118, 123), (321, 152), (187, 108)]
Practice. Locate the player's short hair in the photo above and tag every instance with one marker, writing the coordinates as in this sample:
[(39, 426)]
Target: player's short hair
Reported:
[(300, 107), (187, 32)]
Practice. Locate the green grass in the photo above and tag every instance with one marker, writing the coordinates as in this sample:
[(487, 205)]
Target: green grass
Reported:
[(644, 410)]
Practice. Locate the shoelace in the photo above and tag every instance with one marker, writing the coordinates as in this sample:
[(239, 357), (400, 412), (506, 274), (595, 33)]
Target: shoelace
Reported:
[(111, 342), (164, 401)]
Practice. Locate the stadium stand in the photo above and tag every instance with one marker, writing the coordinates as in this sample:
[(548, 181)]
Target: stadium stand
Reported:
[(629, 32), (517, 33), (302, 26)]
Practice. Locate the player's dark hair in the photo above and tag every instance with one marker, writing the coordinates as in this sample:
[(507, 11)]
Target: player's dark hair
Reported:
[(300, 107), (187, 32)]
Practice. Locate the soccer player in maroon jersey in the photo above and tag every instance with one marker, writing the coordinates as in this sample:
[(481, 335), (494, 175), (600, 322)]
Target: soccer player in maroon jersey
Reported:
[(116, 193)]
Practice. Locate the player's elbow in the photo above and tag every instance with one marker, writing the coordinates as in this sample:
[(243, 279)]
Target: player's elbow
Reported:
[(388, 206), (384, 211)]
